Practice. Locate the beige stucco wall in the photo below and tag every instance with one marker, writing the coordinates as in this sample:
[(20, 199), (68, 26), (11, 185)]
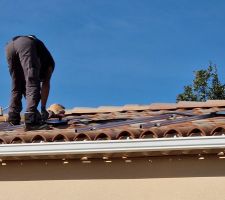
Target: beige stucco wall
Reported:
[(140, 178)]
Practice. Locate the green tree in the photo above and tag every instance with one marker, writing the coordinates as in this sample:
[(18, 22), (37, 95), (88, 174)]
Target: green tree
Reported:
[(206, 85)]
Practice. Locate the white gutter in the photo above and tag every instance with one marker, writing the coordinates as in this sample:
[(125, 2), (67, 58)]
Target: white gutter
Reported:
[(112, 146)]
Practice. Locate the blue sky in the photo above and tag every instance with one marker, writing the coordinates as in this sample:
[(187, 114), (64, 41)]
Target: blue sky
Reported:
[(116, 52)]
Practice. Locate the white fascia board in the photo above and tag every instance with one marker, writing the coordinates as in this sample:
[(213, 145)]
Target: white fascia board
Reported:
[(112, 146)]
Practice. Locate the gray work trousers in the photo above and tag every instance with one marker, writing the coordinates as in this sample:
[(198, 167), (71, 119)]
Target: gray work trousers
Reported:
[(24, 68)]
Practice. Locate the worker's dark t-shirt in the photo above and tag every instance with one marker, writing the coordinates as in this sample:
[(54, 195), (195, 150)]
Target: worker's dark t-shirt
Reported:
[(45, 57)]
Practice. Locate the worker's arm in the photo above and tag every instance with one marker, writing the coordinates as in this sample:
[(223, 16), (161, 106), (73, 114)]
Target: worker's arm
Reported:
[(45, 88)]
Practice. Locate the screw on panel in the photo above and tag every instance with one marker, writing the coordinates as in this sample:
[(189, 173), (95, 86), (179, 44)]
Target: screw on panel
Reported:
[(86, 161), (108, 161)]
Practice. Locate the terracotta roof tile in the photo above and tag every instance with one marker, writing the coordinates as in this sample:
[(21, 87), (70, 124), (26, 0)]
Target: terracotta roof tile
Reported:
[(163, 106), (207, 104), (81, 110), (153, 107), (191, 104), (216, 103), (131, 107), (109, 108)]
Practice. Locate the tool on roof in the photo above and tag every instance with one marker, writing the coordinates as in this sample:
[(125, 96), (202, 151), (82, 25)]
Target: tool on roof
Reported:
[(153, 121)]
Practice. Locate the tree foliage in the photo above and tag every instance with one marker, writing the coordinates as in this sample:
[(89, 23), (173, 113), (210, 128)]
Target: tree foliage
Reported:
[(206, 85)]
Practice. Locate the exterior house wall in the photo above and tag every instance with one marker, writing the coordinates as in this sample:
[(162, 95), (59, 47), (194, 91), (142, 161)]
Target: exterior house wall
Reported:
[(167, 177)]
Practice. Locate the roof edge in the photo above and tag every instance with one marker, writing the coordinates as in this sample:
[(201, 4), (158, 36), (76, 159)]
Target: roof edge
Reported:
[(111, 146)]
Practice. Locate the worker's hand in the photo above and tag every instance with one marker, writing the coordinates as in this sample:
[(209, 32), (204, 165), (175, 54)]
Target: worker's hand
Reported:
[(44, 113), (56, 111), (54, 115)]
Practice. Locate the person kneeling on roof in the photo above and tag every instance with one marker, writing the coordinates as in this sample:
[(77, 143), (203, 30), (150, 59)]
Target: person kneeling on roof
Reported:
[(31, 66)]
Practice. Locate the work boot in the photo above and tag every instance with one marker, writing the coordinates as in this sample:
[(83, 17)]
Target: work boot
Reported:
[(14, 118), (33, 122)]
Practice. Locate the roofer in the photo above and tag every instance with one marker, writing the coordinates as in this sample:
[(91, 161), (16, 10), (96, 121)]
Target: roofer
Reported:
[(30, 66)]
